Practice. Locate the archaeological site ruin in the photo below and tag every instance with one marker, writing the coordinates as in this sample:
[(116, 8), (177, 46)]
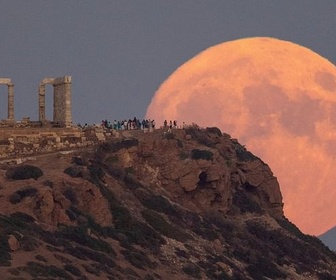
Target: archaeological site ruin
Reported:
[(61, 101), (61, 97), (22, 139)]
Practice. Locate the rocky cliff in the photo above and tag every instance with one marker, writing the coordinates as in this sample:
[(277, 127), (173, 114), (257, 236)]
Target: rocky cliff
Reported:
[(192, 204)]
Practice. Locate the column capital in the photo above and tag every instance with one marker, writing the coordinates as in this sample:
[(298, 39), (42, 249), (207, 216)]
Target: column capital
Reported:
[(5, 81)]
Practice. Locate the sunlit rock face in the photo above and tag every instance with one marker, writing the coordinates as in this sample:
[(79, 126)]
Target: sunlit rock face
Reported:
[(279, 99)]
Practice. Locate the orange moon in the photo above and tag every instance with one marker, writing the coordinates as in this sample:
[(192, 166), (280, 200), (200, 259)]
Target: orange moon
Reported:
[(277, 98)]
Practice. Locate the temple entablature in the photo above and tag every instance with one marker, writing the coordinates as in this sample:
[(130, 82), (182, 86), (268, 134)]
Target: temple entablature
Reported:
[(56, 81), (6, 81)]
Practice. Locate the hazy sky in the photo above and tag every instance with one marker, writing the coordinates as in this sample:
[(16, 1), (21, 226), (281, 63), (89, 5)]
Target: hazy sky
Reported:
[(119, 52)]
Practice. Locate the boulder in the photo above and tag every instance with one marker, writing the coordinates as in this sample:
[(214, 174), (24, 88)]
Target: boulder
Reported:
[(45, 204), (189, 181), (13, 243)]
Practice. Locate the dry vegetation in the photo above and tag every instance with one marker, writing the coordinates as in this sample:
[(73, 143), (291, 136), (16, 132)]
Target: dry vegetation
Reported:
[(150, 236)]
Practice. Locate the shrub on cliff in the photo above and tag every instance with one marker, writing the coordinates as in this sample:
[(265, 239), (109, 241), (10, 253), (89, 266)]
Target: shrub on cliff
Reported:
[(21, 194), (138, 259), (245, 203), (24, 172), (72, 269), (74, 172), (96, 172), (131, 181), (5, 256), (79, 161), (36, 270), (202, 136), (263, 267), (192, 270), (79, 234), (162, 226), (71, 195), (113, 147), (214, 130), (116, 170), (242, 153), (201, 154), (160, 204)]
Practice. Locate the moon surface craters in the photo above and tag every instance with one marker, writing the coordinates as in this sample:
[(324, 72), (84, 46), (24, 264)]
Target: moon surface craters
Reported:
[(277, 98), (326, 80)]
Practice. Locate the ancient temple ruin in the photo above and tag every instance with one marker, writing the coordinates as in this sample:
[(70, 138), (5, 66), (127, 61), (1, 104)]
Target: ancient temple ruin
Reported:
[(61, 100), (10, 85), (61, 104)]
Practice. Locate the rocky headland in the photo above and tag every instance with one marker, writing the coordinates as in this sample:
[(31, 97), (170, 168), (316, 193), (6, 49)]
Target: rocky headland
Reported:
[(188, 204)]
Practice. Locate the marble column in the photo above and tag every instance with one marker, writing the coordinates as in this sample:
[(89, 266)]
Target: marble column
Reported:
[(10, 102), (41, 101), (67, 101), (56, 103)]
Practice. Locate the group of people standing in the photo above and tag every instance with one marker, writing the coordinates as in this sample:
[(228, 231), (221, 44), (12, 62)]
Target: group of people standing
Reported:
[(172, 124), (136, 124), (129, 124)]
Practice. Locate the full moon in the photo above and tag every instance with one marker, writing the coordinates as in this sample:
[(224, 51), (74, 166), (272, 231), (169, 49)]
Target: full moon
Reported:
[(277, 98)]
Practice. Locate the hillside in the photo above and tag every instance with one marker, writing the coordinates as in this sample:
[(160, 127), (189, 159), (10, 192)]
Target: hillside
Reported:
[(191, 204)]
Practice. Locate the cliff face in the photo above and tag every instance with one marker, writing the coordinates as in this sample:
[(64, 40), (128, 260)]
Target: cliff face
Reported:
[(202, 170), (193, 204)]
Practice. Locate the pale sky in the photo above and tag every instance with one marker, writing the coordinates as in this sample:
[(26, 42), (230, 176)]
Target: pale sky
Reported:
[(119, 52)]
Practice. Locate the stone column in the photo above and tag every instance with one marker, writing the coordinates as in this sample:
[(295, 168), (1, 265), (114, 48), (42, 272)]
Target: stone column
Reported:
[(56, 103), (67, 101), (61, 99), (10, 102), (41, 101)]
